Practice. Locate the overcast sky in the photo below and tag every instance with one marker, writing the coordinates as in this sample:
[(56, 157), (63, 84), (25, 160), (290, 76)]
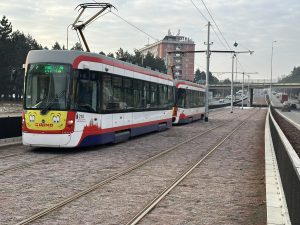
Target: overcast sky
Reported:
[(252, 24)]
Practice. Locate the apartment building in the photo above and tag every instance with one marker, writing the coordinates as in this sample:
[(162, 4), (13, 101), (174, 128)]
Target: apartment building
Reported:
[(183, 64)]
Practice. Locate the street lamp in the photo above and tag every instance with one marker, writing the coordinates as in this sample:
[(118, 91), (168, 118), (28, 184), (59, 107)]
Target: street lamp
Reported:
[(271, 67)]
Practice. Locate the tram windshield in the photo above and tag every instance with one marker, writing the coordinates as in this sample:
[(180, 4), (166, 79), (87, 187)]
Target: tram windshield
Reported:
[(47, 86)]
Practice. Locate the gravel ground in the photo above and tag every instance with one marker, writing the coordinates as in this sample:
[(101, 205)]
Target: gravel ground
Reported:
[(227, 189), (118, 201), (34, 188)]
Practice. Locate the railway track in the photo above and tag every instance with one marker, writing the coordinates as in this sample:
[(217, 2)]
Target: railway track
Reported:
[(148, 207), (26, 165), (99, 184)]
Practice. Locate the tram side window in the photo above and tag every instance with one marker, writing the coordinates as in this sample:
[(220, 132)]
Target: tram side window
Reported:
[(153, 95), (198, 99), (107, 94), (86, 93), (203, 98), (163, 96), (146, 95), (138, 100), (193, 99), (128, 91)]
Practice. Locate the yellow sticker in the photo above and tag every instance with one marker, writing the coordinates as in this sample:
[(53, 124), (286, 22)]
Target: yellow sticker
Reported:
[(53, 120)]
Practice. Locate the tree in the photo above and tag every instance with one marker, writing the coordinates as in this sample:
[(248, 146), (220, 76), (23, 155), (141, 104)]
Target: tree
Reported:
[(149, 60), (160, 65), (111, 55), (77, 46), (56, 46), (200, 77), (227, 81), (294, 77), (14, 47), (5, 28), (120, 54)]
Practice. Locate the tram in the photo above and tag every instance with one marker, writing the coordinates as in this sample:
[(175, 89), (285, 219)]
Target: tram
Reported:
[(190, 102), (75, 98)]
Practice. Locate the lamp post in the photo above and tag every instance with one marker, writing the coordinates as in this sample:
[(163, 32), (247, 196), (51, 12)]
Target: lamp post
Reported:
[(271, 67)]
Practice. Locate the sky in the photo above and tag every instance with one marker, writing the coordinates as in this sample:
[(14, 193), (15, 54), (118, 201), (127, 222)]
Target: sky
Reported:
[(254, 25)]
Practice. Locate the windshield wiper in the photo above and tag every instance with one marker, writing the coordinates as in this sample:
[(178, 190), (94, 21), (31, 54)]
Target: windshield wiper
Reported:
[(51, 101)]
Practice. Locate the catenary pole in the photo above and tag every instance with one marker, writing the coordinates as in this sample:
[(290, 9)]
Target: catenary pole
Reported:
[(207, 72), (231, 89)]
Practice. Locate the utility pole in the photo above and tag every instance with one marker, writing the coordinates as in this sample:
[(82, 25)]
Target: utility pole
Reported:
[(208, 52), (243, 91), (207, 72), (231, 89)]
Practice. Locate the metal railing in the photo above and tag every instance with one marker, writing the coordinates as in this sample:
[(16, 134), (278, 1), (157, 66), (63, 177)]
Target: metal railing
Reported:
[(289, 169)]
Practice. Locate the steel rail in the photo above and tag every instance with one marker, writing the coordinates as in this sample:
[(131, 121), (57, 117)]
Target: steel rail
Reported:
[(140, 215), (108, 180)]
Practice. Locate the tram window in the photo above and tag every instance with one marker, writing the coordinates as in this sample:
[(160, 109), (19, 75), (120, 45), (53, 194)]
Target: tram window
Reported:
[(107, 91), (163, 96), (86, 95), (118, 103), (85, 88), (180, 98), (137, 94), (170, 95), (146, 95), (187, 99), (153, 95), (128, 92)]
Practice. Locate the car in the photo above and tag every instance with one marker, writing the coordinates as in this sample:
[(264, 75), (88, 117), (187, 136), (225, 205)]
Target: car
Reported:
[(286, 107), (293, 106)]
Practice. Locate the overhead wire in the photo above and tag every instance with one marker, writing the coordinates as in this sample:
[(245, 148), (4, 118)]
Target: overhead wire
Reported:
[(199, 11), (156, 39), (208, 11), (131, 24), (215, 23)]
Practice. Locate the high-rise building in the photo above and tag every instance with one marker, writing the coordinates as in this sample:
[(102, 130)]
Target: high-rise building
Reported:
[(183, 64)]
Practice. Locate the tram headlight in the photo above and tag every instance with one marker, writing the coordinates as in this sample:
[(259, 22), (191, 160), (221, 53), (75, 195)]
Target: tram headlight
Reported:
[(70, 122)]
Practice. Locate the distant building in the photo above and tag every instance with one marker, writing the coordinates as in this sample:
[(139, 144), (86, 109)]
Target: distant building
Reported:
[(183, 65)]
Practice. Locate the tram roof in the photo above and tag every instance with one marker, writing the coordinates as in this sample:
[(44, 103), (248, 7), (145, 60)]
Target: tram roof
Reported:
[(187, 83), (75, 57)]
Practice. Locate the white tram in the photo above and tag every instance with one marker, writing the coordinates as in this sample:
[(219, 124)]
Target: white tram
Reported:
[(75, 98), (190, 102)]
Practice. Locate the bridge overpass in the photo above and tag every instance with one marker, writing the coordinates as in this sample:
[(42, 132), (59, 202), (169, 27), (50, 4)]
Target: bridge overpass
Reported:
[(254, 84)]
